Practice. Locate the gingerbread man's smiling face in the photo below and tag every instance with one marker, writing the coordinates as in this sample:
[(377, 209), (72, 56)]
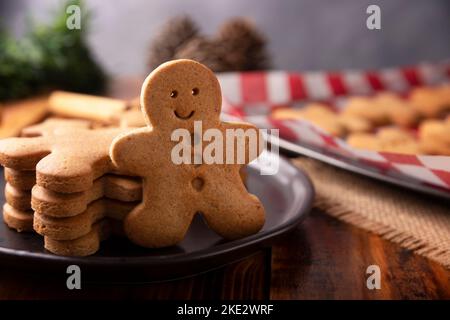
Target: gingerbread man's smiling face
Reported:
[(179, 92)]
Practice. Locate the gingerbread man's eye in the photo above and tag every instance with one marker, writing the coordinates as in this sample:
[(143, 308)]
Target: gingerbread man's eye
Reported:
[(174, 94), (195, 91)]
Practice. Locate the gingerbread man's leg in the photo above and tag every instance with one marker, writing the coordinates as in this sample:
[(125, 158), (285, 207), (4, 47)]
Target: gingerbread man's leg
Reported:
[(158, 221), (230, 210)]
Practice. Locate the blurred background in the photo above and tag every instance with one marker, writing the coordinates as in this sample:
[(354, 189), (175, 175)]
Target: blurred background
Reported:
[(301, 34)]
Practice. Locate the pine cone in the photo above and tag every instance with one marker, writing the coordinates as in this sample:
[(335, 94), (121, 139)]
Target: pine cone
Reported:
[(173, 35), (244, 45), (207, 51)]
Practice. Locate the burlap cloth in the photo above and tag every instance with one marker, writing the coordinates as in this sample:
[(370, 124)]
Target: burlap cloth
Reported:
[(416, 222)]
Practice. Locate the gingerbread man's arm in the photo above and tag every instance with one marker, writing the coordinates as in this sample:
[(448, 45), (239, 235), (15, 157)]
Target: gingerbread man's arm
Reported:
[(252, 143), (129, 150), (23, 153)]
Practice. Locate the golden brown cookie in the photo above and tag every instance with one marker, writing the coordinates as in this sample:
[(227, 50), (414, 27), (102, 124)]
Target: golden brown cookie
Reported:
[(353, 124), (21, 221), (57, 204), (366, 141), (173, 96), (87, 244), (317, 110), (434, 137), (395, 135), (70, 228), (366, 108), (434, 147), (312, 110), (431, 101), (17, 198), (410, 147), (331, 126), (389, 139), (68, 160), (51, 124), (22, 113), (320, 115), (132, 119), (20, 179), (76, 105), (399, 111)]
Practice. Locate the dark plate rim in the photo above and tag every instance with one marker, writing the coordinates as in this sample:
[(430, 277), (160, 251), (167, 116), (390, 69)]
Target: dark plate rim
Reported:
[(301, 208)]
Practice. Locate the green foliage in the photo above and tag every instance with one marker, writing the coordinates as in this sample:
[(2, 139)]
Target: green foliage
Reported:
[(48, 57)]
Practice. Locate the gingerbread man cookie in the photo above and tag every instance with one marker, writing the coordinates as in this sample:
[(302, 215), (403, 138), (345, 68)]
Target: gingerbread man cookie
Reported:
[(67, 160), (174, 96), (48, 126)]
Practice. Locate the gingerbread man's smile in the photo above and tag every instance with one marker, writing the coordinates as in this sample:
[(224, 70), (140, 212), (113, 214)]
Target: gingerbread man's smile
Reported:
[(215, 188), (183, 117)]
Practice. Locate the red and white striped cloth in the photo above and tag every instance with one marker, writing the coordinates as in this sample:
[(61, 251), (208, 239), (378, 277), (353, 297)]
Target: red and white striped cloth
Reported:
[(252, 96)]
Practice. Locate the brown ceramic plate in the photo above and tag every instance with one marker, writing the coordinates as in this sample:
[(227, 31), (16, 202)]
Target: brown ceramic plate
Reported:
[(287, 197)]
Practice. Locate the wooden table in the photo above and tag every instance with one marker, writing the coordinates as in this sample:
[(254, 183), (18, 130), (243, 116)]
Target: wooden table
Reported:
[(322, 258)]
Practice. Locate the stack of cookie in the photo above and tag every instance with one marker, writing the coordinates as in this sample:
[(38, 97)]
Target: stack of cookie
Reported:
[(75, 223), (62, 184), (17, 211)]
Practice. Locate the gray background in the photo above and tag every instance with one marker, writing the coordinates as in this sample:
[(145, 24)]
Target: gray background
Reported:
[(303, 34)]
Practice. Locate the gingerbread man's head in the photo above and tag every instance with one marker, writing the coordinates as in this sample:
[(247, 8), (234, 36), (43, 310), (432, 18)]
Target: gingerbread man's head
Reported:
[(179, 92)]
